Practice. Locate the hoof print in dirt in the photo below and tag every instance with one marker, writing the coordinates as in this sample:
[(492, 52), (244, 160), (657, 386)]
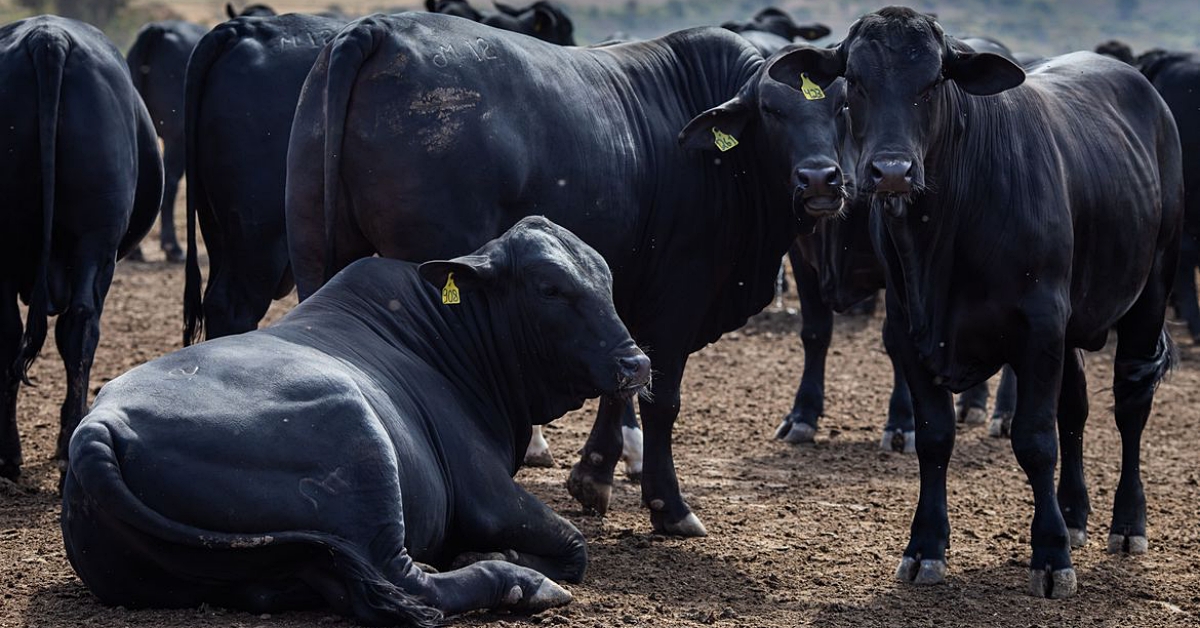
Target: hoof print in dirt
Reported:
[(591, 493), (1053, 585), (1001, 426), (899, 441), (1121, 544), (921, 572)]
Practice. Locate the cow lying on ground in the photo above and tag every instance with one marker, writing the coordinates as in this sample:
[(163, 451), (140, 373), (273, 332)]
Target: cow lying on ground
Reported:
[(158, 62), (377, 424), (81, 182), (456, 130), (1020, 219)]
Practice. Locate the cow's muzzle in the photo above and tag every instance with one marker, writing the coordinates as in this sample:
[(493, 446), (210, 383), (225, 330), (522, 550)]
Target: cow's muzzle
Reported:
[(820, 190), (892, 176), (633, 374)]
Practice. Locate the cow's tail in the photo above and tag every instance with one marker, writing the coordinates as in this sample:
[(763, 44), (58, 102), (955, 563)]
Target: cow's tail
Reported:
[(207, 51), (347, 53), (1136, 379), (95, 482), (48, 49), (141, 52)]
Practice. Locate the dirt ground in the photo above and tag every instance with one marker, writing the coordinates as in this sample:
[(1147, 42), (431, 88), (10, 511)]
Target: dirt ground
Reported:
[(798, 536)]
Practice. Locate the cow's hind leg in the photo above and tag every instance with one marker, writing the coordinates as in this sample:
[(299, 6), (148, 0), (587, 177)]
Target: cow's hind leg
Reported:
[(77, 333), (800, 425), (1006, 404), (1144, 354), (1183, 296), (1072, 415), (972, 405), (174, 160), (10, 381)]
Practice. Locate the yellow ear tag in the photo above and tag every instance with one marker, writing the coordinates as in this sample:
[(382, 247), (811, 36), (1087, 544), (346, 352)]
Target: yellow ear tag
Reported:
[(450, 292), (811, 90), (723, 141)]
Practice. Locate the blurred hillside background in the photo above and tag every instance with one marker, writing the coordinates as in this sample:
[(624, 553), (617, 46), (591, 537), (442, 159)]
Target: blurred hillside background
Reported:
[(1041, 27)]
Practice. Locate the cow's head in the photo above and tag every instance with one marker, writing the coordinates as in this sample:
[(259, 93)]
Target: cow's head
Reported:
[(541, 19), (776, 21), (801, 121), (904, 80), (557, 293)]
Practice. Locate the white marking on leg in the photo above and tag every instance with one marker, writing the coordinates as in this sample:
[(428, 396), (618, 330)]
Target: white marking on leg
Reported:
[(538, 453), (631, 451)]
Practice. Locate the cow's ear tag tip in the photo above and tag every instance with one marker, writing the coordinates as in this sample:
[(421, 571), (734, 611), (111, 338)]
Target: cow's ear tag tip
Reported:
[(450, 294), (811, 90), (723, 141)]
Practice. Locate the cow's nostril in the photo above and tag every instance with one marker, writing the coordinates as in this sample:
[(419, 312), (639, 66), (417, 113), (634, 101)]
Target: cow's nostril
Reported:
[(892, 175), (634, 368)]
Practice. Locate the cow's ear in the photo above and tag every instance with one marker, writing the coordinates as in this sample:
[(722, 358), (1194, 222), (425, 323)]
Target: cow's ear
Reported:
[(506, 8), (470, 271), (821, 65), (544, 20), (719, 127), (809, 32), (983, 73), (230, 11)]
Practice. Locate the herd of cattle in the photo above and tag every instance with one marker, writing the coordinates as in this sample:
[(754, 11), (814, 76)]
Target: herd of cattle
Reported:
[(565, 201)]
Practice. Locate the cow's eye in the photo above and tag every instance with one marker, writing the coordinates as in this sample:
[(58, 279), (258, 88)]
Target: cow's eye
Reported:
[(549, 290)]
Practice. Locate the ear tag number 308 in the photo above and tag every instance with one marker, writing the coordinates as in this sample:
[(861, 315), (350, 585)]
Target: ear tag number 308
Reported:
[(811, 90), (723, 141), (450, 294)]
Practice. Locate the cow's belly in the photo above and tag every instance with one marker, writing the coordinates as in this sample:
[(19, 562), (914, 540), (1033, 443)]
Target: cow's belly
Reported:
[(251, 434)]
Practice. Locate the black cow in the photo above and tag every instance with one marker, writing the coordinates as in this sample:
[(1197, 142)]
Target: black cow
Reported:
[(81, 182), (158, 62), (1176, 76), (487, 126), (392, 418), (1019, 219), (544, 20), (242, 86), (778, 23), (838, 269), (250, 10)]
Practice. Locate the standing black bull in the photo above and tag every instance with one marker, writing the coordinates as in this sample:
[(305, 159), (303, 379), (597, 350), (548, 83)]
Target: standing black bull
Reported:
[(242, 86), (544, 20), (1018, 222), (455, 131), (158, 62), (81, 183), (207, 476)]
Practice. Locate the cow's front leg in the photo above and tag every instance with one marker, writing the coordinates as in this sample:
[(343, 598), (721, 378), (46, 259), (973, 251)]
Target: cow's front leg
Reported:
[(924, 560), (591, 479), (816, 330), (507, 523), (1039, 380), (669, 514)]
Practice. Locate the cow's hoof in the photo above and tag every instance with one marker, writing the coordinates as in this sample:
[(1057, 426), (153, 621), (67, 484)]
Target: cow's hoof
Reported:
[(631, 452), (591, 493), (921, 572), (973, 417), (1078, 537), (1001, 426), (174, 253), (799, 433), (1119, 543), (10, 470), (548, 595), (136, 255), (898, 440), (542, 459), (1054, 585), (689, 526)]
